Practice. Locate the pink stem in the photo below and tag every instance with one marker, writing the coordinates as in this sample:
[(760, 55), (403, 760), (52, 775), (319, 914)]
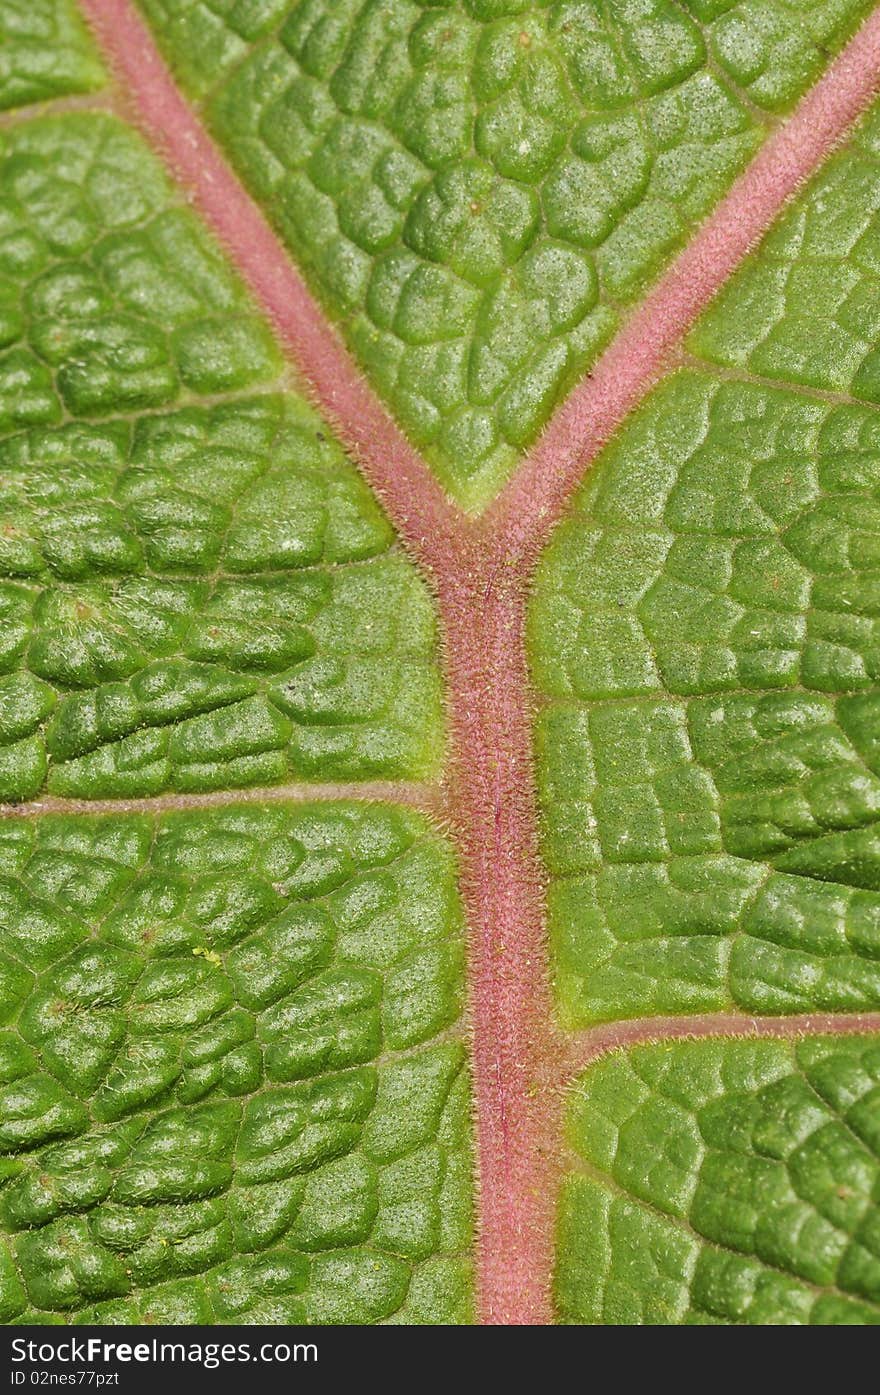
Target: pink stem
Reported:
[(583, 1048), (494, 814)]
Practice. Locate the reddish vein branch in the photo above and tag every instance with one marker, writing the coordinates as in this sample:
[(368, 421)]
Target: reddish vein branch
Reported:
[(584, 1048), (479, 569), (430, 799)]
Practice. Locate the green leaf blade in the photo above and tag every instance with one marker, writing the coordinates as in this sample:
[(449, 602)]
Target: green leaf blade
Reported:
[(474, 192), (225, 1101), (47, 52), (234, 1074), (198, 595), (803, 309), (725, 1182), (703, 629)]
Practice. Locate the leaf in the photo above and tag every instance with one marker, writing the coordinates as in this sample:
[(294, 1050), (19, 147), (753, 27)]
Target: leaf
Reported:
[(728, 1183), (244, 1001), (703, 630), (269, 680), (804, 310), (205, 597), (707, 761), (46, 52), (476, 190)]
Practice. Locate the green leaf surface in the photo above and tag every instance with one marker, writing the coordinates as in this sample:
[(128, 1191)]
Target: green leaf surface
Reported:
[(112, 298), (477, 188), (221, 1097), (725, 1183), (45, 52), (195, 598), (805, 309), (234, 1078), (704, 630)]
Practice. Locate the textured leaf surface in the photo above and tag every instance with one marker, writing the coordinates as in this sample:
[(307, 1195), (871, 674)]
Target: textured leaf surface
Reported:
[(234, 1074), (221, 1100), (725, 1182), (476, 188), (805, 309), (44, 52), (704, 627), (111, 297), (195, 599)]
